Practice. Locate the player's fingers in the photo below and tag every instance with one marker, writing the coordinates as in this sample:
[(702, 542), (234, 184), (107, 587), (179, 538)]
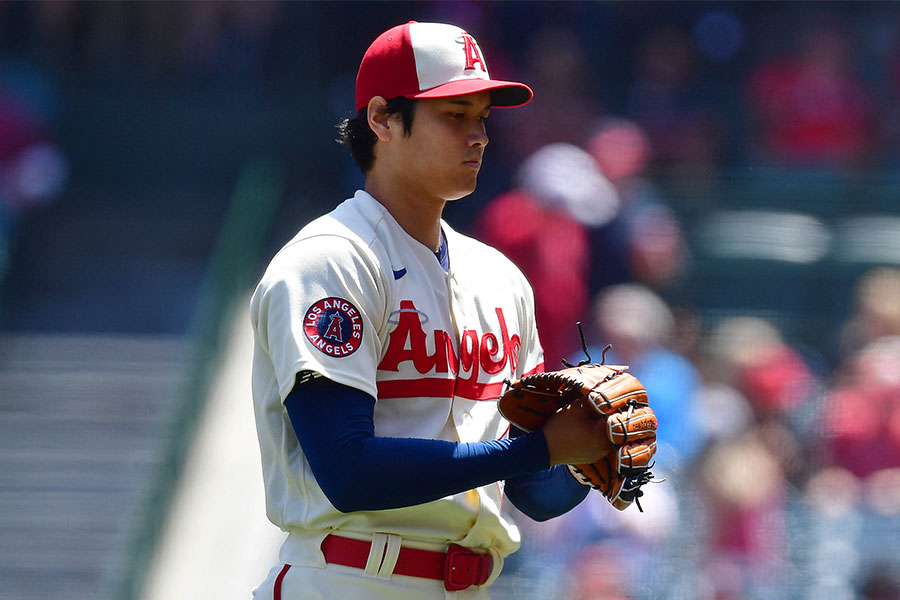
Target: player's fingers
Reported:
[(575, 435)]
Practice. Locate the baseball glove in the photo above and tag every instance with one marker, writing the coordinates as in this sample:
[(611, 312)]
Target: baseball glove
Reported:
[(609, 393)]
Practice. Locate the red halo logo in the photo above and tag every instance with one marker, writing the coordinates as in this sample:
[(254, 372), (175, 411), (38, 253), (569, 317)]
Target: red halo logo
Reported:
[(334, 326)]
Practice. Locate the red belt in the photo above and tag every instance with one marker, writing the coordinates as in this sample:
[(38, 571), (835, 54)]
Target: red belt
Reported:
[(458, 567)]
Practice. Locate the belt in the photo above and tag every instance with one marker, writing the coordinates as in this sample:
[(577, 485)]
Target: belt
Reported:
[(458, 567)]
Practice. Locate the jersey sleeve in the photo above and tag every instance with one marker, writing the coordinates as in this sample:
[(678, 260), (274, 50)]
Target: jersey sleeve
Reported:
[(320, 307)]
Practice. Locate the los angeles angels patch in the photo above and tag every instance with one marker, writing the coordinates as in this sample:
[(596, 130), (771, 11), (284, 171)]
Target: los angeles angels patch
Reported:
[(334, 326)]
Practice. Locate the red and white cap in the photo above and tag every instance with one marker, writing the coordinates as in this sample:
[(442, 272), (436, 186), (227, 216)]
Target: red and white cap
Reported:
[(430, 60)]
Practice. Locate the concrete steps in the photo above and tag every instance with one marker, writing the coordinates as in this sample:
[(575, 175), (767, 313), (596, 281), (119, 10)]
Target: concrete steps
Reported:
[(80, 428)]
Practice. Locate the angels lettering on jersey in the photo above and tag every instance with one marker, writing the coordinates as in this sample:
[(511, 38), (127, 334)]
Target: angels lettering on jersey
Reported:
[(435, 367), (420, 363)]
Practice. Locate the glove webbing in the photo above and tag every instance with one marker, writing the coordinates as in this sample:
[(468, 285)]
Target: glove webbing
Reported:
[(632, 487), (554, 383)]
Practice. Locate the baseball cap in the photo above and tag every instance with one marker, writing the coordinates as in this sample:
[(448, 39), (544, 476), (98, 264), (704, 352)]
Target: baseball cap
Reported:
[(430, 60)]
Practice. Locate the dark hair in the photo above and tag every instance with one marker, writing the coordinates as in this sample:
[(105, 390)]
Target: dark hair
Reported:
[(356, 134)]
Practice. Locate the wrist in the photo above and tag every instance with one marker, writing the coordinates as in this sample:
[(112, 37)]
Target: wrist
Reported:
[(532, 451)]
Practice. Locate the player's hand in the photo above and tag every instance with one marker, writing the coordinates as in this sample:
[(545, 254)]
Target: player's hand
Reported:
[(575, 435)]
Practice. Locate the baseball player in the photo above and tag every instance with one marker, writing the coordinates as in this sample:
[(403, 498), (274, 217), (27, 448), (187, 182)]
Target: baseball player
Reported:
[(382, 341)]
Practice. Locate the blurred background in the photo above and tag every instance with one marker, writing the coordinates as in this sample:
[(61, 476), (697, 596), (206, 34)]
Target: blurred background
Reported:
[(712, 187)]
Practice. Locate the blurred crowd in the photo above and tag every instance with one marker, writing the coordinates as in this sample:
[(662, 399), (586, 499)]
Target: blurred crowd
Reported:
[(782, 469), (712, 85), (781, 462), (782, 480)]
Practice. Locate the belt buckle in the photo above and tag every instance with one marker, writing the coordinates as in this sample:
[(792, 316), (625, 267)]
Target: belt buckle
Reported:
[(464, 567)]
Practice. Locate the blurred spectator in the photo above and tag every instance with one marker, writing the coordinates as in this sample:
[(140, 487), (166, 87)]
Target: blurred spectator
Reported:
[(228, 44), (763, 386), (751, 353), (832, 491), (767, 391), (32, 167), (812, 107), (726, 412), (639, 325), (540, 226), (644, 242), (782, 390), (862, 412), (883, 491), (596, 572), (667, 99), (853, 522), (556, 66), (882, 582), (229, 40), (718, 34), (876, 310), (889, 113), (566, 177), (744, 491)]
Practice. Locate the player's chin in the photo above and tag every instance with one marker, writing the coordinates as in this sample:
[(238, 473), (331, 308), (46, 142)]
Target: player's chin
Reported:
[(464, 188), (460, 194)]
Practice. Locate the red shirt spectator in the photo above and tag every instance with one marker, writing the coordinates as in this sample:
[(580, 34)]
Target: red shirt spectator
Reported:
[(551, 248), (812, 108)]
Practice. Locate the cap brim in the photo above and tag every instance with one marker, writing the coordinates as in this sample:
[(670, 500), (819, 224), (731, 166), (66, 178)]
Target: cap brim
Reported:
[(504, 94)]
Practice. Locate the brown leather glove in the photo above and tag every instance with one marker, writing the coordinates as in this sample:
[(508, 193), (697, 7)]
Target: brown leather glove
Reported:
[(613, 395)]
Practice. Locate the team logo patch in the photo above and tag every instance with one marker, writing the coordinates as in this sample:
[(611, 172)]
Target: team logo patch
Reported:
[(334, 326)]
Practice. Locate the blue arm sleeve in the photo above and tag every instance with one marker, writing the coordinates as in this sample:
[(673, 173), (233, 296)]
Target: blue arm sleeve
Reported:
[(545, 494), (358, 471)]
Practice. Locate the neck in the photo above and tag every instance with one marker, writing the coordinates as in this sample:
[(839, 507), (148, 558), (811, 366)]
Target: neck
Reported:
[(419, 216)]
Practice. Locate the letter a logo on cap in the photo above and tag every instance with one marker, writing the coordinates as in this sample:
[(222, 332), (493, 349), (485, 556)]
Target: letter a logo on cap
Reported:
[(422, 60), (473, 56)]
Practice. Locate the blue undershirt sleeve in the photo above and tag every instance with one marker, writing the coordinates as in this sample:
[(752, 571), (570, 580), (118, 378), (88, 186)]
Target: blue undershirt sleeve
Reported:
[(545, 494), (358, 471)]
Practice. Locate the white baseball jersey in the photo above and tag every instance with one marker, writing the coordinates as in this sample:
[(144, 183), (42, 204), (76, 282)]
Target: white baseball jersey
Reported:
[(355, 298)]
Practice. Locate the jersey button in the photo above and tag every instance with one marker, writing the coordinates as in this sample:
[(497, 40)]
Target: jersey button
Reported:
[(467, 416)]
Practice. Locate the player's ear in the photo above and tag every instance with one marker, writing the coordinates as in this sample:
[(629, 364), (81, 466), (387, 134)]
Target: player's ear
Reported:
[(380, 121)]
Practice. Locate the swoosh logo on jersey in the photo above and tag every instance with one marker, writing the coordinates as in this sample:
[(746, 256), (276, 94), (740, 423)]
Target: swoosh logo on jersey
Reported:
[(399, 273)]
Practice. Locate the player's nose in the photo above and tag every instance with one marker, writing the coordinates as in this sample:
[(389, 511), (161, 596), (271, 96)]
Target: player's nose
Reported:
[(478, 136)]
